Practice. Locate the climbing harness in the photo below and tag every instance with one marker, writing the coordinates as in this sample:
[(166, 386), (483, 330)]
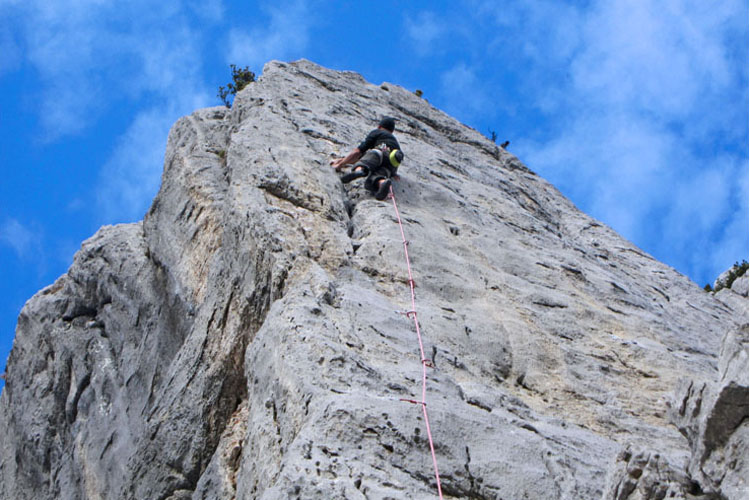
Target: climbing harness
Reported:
[(394, 156), (425, 362)]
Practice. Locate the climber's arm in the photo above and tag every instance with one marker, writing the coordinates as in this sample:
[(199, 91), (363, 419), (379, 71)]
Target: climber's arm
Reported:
[(355, 155)]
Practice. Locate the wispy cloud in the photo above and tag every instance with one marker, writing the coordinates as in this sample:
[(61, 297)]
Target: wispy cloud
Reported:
[(58, 42), (284, 36), (662, 57), (90, 54), (648, 87), (710, 217), (427, 32), (10, 52), (208, 10), (634, 109), (169, 72), (93, 55), (465, 94), (130, 179), (28, 243), (18, 237)]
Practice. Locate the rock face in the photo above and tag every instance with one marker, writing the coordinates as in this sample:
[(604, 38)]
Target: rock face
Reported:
[(713, 415), (242, 341)]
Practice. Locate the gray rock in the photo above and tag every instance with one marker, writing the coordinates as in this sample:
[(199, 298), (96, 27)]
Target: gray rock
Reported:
[(243, 340), (713, 416), (740, 286), (646, 475), (723, 281)]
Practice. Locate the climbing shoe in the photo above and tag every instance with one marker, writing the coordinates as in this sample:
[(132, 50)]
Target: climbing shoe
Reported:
[(383, 190), (354, 174)]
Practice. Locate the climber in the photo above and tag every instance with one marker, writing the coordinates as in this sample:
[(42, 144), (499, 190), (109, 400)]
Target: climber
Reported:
[(377, 157)]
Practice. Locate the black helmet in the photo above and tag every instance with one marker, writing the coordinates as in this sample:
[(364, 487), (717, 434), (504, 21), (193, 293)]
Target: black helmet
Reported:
[(388, 123)]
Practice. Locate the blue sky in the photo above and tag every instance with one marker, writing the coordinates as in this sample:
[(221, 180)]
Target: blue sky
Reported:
[(637, 110)]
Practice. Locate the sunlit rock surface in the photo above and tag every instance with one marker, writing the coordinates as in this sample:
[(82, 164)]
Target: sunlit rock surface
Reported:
[(243, 340)]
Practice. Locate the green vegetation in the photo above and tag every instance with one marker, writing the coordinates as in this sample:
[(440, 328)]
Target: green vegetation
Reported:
[(738, 269), (240, 79), (418, 93)]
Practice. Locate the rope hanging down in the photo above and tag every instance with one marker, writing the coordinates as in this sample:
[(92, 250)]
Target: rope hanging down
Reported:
[(425, 362)]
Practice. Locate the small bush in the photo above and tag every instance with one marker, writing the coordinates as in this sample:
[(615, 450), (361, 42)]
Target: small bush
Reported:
[(738, 269), (240, 79), (418, 93)]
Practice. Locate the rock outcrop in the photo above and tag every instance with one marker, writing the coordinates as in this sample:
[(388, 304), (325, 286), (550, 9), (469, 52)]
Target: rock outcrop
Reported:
[(713, 415), (242, 341)]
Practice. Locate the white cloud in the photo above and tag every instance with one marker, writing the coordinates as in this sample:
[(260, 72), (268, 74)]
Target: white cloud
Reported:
[(10, 53), (724, 228), (57, 42), (703, 199), (644, 122), (90, 54), (618, 166), (425, 32), (76, 205), (285, 36), (641, 179), (65, 110), (93, 55), (130, 179), (19, 237), (28, 242), (209, 10), (545, 31), (168, 68), (169, 71), (660, 57), (464, 94)]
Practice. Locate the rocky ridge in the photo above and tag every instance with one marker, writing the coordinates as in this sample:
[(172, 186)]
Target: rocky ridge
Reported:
[(242, 341)]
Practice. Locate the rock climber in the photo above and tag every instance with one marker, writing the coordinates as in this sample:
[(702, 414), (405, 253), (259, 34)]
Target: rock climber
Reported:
[(377, 158)]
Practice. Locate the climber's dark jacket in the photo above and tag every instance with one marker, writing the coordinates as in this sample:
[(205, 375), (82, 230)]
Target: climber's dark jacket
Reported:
[(377, 137), (377, 148)]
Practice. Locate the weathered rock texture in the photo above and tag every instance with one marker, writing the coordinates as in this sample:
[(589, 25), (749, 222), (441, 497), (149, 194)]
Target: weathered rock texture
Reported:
[(242, 341), (713, 415)]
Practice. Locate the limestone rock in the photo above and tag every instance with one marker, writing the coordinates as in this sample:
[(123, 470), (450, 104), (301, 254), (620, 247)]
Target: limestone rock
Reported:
[(242, 341), (646, 475), (713, 414), (727, 278)]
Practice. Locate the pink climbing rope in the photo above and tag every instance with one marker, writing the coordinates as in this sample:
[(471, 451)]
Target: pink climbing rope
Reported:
[(425, 361)]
